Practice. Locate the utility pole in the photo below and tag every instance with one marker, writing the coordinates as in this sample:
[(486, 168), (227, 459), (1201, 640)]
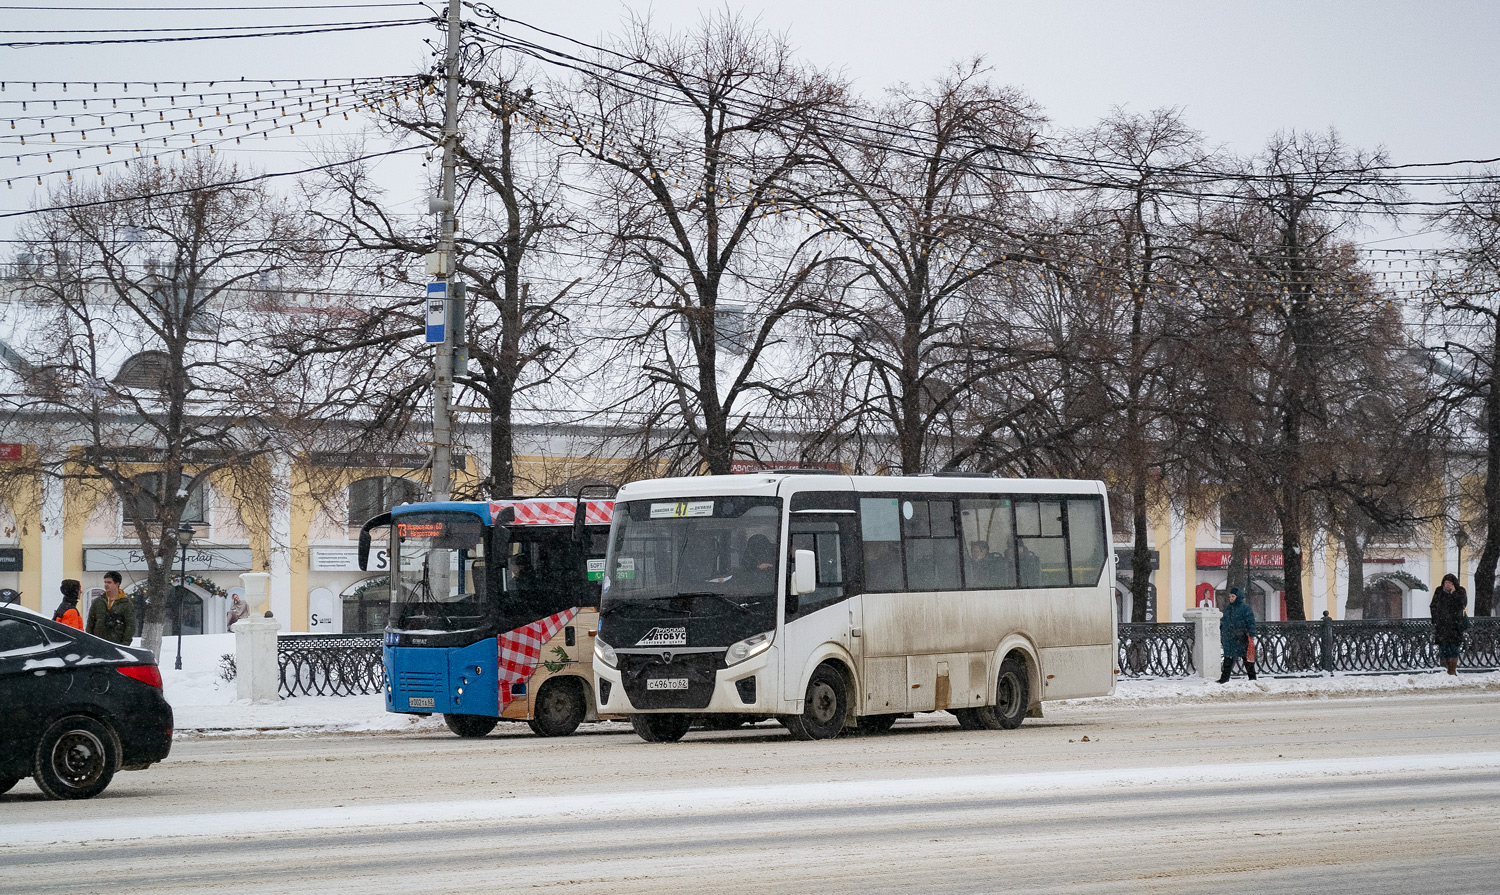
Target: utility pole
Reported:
[(442, 366)]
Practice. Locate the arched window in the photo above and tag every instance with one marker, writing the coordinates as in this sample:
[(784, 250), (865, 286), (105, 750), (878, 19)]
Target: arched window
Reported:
[(145, 370), (142, 504), (377, 494)]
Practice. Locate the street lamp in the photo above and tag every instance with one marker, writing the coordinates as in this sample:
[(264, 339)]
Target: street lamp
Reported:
[(1461, 540), (185, 534)]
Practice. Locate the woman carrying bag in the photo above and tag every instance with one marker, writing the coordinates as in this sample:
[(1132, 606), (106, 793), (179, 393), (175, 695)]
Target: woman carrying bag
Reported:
[(1237, 635)]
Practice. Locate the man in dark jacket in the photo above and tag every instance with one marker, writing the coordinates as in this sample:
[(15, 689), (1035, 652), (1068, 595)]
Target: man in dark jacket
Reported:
[(1235, 630), (1448, 620), (113, 615)]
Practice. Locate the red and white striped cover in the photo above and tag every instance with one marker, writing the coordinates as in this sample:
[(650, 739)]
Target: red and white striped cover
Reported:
[(521, 650), (555, 511)]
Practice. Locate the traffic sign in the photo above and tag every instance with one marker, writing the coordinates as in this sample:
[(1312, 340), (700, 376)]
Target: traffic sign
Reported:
[(437, 311)]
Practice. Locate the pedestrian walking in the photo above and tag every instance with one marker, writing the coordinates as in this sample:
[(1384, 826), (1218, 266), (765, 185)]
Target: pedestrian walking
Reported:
[(1237, 635), (113, 615), (67, 611), (1449, 621)]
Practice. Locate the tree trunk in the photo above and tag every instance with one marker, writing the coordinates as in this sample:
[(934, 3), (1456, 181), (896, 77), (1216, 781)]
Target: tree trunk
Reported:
[(1354, 554), (155, 612), (1291, 561), (1140, 558), (1239, 564), (1489, 557)]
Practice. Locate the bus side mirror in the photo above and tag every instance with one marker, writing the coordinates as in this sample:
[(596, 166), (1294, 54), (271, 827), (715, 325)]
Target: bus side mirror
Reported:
[(380, 521), (804, 572)]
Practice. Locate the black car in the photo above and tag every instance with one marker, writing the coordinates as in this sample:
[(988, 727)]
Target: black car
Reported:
[(74, 709)]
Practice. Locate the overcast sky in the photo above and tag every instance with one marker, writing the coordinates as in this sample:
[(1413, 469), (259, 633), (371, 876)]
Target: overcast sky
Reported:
[(1417, 78)]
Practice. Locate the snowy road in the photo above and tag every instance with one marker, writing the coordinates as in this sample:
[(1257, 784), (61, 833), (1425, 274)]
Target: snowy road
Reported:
[(1392, 794)]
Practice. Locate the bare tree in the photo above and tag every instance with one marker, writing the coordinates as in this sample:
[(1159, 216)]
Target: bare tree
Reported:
[(1141, 212), (1471, 294), (513, 217), (148, 351), (693, 142), (923, 213), (1298, 318)]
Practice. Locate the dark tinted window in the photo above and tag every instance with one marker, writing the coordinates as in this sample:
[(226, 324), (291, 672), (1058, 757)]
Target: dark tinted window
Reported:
[(19, 637)]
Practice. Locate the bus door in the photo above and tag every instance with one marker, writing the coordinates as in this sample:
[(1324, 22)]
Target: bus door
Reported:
[(832, 613)]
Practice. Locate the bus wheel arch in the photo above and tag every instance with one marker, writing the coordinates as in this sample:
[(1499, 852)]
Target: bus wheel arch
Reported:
[(560, 705), (827, 705)]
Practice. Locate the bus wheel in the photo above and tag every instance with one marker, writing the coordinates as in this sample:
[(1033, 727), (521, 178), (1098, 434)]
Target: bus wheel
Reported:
[(823, 709), (1012, 696), (874, 725), (470, 725), (559, 708), (661, 728)]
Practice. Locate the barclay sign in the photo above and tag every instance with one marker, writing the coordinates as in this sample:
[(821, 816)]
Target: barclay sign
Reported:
[(199, 559)]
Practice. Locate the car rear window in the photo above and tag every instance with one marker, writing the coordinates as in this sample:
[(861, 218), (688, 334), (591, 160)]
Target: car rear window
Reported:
[(18, 637)]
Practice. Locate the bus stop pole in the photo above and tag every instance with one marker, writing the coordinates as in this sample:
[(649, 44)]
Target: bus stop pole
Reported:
[(442, 373)]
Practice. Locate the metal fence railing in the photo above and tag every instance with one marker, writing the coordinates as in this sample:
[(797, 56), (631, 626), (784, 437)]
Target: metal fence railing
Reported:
[(350, 664), (330, 664), (1166, 650)]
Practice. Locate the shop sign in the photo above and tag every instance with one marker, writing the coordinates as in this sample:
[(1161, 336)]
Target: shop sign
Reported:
[(199, 559), (1219, 559), (10, 559), (346, 559), (12, 453), (1125, 557)]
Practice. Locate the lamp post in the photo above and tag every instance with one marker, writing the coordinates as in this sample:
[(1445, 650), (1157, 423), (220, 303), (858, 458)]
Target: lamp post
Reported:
[(1461, 540), (185, 534)]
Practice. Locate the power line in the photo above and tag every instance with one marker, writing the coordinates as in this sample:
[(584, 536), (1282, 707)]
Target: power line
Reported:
[(329, 29)]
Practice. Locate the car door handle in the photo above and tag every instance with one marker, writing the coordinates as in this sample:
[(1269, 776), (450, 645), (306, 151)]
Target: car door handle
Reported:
[(856, 632)]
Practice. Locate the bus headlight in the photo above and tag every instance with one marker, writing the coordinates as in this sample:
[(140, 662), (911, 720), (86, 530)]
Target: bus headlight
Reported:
[(605, 653), (745, 649)]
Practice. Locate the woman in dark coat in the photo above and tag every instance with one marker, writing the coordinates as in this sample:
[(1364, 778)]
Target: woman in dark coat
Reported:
[(1235, 630), (1448, 620)]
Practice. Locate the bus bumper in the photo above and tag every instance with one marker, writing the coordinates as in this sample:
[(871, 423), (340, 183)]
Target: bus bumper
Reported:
[(454, 680), (749, 687)]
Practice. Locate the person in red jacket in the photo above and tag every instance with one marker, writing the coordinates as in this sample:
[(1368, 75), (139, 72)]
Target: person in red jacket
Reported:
[(67, 610)]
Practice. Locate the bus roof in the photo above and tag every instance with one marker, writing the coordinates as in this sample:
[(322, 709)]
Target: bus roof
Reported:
[(529, 510), (773, 483)]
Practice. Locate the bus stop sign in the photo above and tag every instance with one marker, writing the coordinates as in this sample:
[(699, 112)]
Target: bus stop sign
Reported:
[(437, 311)]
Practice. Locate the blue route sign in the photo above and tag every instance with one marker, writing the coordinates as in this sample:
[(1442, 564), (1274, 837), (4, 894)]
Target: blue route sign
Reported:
[(437, 311)]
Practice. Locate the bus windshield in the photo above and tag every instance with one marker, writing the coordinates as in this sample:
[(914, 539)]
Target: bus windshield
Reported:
[(704, 557), (440, 566)]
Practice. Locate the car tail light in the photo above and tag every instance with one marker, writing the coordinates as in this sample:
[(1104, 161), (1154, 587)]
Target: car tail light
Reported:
[(146, 674)]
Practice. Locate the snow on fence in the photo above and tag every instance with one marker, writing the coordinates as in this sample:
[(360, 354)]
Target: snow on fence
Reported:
[(330, 664), (1166, 649)]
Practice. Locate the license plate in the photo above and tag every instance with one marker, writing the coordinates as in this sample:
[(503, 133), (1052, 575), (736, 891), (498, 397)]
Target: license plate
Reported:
[(666, 683), (421, 702)]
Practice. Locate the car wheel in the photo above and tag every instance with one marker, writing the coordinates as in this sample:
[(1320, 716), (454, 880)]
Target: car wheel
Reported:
[(560, 708), (661, 728), (823, 709), (76, 758), (470, 725)]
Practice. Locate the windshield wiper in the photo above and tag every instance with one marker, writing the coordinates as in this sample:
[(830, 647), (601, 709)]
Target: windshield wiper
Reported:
[(706, 593), (623, 602)]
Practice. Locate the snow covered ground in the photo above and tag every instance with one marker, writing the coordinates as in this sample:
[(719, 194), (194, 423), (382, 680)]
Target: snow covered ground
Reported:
[(205, 704)]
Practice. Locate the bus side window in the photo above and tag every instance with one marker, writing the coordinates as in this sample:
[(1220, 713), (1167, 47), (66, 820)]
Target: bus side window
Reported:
[(931, 543), (824, 540), (880, 531), (1085, 540), (990, 544), (1041, 549)]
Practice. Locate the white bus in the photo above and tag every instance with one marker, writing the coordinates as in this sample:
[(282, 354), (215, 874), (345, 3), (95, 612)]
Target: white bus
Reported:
[(835, 602)]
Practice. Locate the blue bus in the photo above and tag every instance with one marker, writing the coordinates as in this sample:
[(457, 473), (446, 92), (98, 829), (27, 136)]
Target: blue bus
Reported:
[(493, 610)]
